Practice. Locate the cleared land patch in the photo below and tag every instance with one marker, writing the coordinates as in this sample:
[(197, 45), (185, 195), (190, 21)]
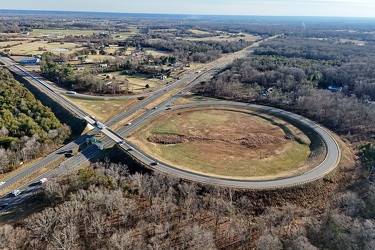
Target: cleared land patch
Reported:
[(228, 142)]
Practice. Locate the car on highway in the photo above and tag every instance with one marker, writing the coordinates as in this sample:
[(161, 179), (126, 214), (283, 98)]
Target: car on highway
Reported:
[(43, 180), (129, 123), (2, 183), (154, 163), (16, 192), (71, 92)]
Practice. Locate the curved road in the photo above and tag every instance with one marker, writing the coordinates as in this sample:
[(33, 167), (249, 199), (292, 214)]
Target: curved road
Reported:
[(330, 162), (194, 79)]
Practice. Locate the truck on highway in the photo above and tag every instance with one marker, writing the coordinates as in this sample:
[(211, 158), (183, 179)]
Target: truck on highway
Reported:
[(99, 125)]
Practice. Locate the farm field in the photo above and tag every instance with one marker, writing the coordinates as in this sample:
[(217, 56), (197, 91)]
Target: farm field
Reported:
[(63, 32), (10, 43), (226, 142), (200, 32), (157, 53), (136, 82), (33, 48)]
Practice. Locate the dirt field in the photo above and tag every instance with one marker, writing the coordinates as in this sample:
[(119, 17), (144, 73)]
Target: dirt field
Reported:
[(227, 142)]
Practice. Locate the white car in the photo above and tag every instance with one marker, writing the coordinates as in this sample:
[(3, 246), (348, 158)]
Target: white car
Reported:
[(2, 183), (16, 192), (43, 180)]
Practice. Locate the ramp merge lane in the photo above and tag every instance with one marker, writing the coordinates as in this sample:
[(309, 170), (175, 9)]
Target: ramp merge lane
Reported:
[(330, 162)]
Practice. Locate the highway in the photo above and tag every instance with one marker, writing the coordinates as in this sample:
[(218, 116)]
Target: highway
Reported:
[(85, 155), (190, 79)]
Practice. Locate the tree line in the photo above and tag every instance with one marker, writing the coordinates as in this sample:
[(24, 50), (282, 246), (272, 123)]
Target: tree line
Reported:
[(27, 128), (298, 72), (106, 207)]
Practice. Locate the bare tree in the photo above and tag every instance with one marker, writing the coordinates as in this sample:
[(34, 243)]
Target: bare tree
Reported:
[(268, 241), (42, 224), (13, 238), (65, 238), (4, 160), (55, 191), (195, 237), (121, 240), (4, 131)]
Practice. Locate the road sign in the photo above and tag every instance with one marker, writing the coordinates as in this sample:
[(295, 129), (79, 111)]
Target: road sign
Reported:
[(93, 140)]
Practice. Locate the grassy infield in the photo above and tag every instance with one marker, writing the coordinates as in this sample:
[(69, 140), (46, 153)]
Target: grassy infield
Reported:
[(225, 159)]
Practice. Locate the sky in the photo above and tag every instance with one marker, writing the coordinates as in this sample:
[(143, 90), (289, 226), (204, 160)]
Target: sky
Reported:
[(346, 8)]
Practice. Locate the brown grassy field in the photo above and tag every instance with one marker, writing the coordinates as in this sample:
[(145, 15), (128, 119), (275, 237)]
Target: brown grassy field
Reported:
[(137, 82), (226, 142), (199, 32), (157, 53), (63, 32), (32, 48), (102, 109)]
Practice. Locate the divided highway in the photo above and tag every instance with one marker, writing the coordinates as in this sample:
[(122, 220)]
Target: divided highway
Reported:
[(189, 79)]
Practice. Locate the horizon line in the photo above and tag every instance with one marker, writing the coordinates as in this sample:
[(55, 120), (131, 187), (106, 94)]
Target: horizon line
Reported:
[(186, 14)]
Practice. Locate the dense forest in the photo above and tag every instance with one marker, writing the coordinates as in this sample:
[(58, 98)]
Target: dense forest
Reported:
[(188, 51), (106, 207), (295, 73), (27, 128)]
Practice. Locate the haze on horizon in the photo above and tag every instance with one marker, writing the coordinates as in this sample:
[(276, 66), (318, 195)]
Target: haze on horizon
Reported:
[(344, 8)]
